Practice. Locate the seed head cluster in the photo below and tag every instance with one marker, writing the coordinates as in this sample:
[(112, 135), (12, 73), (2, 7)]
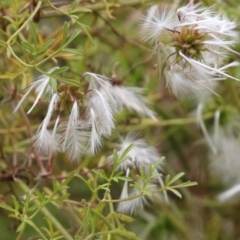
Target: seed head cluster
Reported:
[(190, 42), (90, 109), (193, 46)]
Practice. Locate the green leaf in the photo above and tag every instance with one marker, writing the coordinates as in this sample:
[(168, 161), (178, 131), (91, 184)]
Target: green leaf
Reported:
[(124, 218), (70, 177), (101, 174), (74, 35), (65, 34), (40, 195), (145, 192), (186, 184), (16, 205), (115, 179), (175, 192), (85, 27), (60, 188), (74, 6), (81, 10), (74, 18), (27, 200), (45, 46), (158, 162), (55, 185), (73, 50), (62, 198), (190, 184), (6, 207), (21, 226), (33, 32), (115, 156), (32, 208), (59, 70), (143, 172), (124, 154), (70, 81), (174, 179), (10, 20), (124, 178), (105, 188), (28, 47), (167, 180), (119, 176)]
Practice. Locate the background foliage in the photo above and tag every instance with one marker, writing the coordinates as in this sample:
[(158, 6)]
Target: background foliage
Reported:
[(78, 199)]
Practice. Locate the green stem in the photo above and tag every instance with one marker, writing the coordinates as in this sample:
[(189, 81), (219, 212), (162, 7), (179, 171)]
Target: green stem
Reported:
[(25, 22), (110, 202), (161, 123), (47, 58), (17, 58)]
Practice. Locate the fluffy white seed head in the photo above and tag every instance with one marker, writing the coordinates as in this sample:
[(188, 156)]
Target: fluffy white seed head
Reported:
[(46, 141), (132, 99), (95, 138), (156, 22), (141, 155), (103, 113), (41, 86), (195, 39), (76, 136)]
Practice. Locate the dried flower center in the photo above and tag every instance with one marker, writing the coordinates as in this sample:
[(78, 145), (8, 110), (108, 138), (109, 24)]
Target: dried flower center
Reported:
[(190, 42), (68, 94)]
